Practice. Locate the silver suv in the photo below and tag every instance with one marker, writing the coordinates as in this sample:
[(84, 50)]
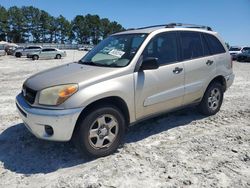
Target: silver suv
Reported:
[(128, 77), (23, 52)]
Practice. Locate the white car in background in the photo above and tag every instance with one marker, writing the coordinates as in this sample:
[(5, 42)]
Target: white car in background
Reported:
[(24, 51), (235, 50), (47, 53)]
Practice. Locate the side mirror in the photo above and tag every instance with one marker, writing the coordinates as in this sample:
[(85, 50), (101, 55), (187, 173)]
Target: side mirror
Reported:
[(149, 63)]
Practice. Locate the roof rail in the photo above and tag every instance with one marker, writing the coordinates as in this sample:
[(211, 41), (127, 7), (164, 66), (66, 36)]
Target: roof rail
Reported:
[(162, 25), (171, 25)]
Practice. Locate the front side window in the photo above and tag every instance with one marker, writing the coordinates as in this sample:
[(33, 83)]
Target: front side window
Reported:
[(114, 51), (191, 45), (163, 47)]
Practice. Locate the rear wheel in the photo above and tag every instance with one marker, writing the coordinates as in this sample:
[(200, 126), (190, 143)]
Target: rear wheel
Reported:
[(212, 99), (58, 56), (35, 57), (100, 132)]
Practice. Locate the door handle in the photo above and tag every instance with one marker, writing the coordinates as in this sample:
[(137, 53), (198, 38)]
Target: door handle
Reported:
[(209, 62), (177, 70)]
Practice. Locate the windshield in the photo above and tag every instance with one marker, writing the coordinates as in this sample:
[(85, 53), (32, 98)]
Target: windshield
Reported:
[(114, 51), (246, 50), (234, 49)]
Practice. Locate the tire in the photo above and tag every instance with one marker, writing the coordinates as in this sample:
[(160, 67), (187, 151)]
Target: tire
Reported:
[(18, 54), (35, 57), (93, 132), (58, 56), (212, 99)]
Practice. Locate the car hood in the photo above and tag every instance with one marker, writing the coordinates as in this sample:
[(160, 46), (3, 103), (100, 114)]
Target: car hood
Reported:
[(71, 73)]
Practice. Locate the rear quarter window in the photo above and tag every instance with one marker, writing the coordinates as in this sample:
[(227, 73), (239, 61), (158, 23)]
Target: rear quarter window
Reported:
[(191, 45), (214, 45)]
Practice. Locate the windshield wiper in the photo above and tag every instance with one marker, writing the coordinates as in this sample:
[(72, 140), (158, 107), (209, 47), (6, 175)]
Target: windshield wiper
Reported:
[(96, 64), (87, 63)]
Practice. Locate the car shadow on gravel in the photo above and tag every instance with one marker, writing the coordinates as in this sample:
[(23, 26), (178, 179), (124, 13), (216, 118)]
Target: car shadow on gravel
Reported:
[(23, 153), (162, 123)]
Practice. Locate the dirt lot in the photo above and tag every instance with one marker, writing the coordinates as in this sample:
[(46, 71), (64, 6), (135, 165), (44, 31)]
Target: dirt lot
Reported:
[(179, 149)]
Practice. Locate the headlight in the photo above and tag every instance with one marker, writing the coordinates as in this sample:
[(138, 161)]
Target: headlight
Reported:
[(57, 94)]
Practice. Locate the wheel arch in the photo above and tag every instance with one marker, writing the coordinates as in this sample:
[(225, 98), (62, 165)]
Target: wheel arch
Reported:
[(219, 79), (58, 55), (112, 100)]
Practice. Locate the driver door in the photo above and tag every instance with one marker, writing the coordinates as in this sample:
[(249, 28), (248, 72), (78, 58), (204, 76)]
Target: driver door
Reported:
[(161, 89)]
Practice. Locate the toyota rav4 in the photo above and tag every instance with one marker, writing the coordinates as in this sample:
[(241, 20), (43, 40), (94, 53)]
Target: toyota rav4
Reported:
[(128, 77)]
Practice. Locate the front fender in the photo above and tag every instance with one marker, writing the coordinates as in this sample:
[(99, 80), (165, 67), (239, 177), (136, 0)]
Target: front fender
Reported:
[(122, 87)]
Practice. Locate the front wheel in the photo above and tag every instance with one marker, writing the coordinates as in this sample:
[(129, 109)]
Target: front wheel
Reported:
[(212, 99), (100, 132)]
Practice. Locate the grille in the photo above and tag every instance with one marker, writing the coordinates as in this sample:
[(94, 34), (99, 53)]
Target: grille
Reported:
[(29, 94)]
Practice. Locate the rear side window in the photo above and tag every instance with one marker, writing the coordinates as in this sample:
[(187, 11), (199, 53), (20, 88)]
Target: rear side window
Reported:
[(51, 50), (33, 47), (191, 45), (214, 45)]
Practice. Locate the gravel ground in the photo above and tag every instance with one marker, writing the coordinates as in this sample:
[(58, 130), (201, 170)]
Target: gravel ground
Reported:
[(180, 149)]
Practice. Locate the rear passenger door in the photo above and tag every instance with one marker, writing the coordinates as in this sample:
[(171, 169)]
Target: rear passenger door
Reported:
[(199, 66)]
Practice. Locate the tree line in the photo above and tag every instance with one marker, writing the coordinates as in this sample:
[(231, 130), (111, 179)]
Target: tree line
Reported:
[(30, 24)]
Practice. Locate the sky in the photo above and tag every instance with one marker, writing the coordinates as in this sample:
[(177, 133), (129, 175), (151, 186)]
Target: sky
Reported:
[(230, 18)]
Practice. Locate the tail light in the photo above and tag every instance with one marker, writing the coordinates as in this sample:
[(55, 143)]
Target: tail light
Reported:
[(231, 62)]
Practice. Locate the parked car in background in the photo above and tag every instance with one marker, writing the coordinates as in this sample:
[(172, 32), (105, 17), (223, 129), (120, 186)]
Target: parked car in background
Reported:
[(235, 50), (244, 56), (23, 52), (85, 48), (2, 50), (47, 53)]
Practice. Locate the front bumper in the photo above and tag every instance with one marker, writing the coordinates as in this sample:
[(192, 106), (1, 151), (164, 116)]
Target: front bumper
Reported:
[(229, 79), (35, 119)]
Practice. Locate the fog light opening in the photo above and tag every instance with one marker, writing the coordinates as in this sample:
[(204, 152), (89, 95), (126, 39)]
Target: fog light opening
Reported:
[(49, 130)]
